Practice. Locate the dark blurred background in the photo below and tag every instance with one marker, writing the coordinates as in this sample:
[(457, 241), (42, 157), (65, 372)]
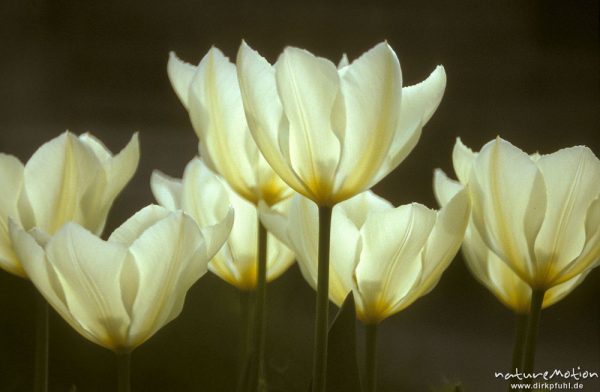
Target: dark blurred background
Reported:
[(527, 71)]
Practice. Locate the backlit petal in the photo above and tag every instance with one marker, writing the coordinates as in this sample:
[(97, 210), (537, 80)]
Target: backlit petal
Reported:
[(88, 270), (308, 87), (137, 224), (166, 190), (56, 176), (372, 90), (509, 199), (444, 188), (462, 159), (11, 185), (162, 254), (390, 263), (264, 112), (419, 102), (572, 178), (180, 74), (217, 114)]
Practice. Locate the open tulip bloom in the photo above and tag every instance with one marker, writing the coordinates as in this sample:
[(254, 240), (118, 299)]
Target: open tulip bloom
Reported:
[(388, 257), (535, 228), (118, 293), (489, 269), (203, 195), (332, 132), (68, 179)]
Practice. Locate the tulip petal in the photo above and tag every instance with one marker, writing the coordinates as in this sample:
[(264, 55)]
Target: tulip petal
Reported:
[(506, 285), (166, 190), (344, 256), (358, 208), (162, 254), (279, 257), (390, 264), (204, 196), (509, 199), (180, 74), (88, 269), (419, 102), (43, 276), (309, 87), (442, 245), (96, 146), (264, 112), (11, 184), (590, 255), (136, 225), (303, 238), (208, 200), (275, 221), (121, 168), (55, 177), (280, 250), (560, 291), (117, 172), (216, 112), (372, 88), (572, 182), (444, 188), (462, 159), (242, 242)]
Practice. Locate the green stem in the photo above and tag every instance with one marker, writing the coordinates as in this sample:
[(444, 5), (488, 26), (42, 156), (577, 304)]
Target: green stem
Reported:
[(41, 345), (322, 316), (246, 324), (371, 357), (517, 359), (533, 320), (124, 371), (261, 309)]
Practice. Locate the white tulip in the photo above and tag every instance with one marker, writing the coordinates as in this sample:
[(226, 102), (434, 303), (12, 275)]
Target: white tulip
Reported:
[(68, 179), (204, 196), (332, 132), (118, 293), (389, 257)]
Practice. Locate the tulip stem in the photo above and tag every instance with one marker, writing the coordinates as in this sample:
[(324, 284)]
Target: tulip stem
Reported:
[(261, 313), (371, 357), (322, 316), (246, 324), (41, 344), (517, 359), (533, 321), (124, 371)]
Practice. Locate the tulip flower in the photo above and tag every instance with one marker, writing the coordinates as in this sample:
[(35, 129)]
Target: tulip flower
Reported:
[(67, 179), (211, 94), (118, 293), (489, 269), (332, 132), (203, 195), (388, 257), (539, 214)]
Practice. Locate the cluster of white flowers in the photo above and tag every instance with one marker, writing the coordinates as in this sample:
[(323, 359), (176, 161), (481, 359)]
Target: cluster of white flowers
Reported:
[(281, 143)]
